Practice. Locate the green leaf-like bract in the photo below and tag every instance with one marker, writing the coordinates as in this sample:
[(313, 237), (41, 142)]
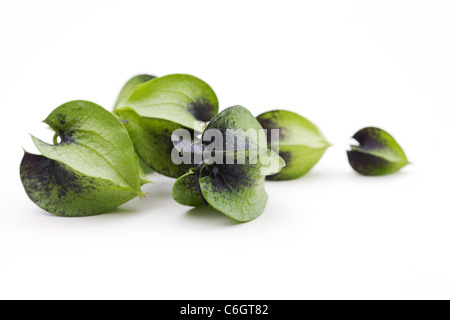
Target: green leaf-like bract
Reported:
[(152, 110), (237, 190), (301, 144), (377, 154), (185, 190), (130, 86), (92, 170)]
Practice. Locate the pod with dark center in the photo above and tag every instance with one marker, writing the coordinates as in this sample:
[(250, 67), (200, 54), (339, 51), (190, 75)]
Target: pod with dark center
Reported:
[(234, 186), (152, 108), (92, 170), (377, 153), (300, 142)]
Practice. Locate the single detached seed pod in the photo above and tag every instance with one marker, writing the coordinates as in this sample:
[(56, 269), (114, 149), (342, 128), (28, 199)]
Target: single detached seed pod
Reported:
[(301, 144), (377, 153), (92, 170)]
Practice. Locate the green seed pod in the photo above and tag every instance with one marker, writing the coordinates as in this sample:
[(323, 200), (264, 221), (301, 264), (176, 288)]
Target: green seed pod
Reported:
[(301, 144), (377, 154)]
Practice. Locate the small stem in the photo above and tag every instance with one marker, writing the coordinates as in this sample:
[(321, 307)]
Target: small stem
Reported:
[(55, 139)]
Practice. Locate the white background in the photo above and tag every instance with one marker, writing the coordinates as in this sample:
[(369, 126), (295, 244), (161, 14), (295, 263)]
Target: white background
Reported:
[(332, 234)]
